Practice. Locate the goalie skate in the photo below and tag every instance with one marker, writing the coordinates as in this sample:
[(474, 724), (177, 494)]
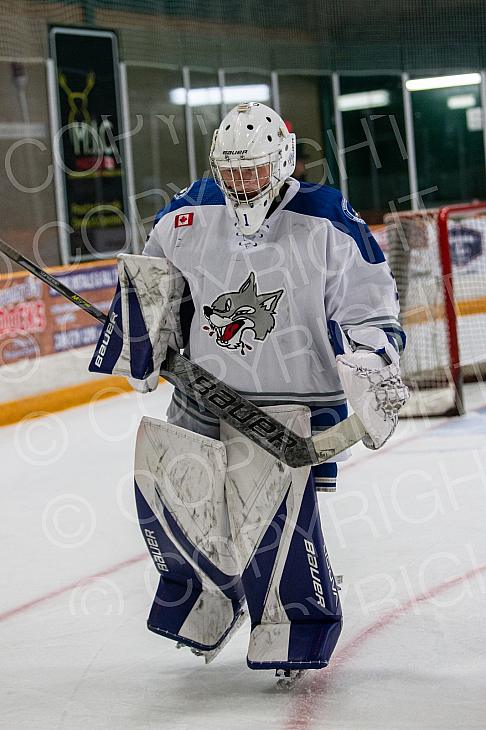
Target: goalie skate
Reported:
[(211, 654), (288, 678)]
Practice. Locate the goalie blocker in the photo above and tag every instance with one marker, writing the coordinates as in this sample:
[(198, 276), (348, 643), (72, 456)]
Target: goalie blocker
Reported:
[(143, 321)]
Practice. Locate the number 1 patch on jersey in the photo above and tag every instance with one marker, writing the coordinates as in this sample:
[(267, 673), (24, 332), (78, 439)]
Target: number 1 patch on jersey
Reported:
[(183, 219)]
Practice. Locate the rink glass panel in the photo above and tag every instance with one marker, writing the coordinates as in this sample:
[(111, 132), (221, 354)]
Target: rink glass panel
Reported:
[(248, 78), (449, 144), (306, 101), (160, 146), (206, 116), (376, 173), (24, 116)]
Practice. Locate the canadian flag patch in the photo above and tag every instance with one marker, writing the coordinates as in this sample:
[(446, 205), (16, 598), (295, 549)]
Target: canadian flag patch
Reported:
[(183, 219)]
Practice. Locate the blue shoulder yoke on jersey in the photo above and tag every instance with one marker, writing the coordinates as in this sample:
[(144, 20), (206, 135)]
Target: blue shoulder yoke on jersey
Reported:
[(201, 192), (322, 201)]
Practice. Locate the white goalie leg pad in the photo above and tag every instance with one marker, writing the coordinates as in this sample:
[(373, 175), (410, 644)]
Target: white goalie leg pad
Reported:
[(256, 481), (290, 589), (179, 481)]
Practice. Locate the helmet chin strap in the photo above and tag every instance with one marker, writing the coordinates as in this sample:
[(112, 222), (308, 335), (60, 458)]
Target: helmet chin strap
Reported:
[(277, 200)]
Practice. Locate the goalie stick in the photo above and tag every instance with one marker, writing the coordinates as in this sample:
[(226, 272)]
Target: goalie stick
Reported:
[(222, 400)]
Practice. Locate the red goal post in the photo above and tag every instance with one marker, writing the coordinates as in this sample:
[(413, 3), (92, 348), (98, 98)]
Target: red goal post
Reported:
[(438, 258)]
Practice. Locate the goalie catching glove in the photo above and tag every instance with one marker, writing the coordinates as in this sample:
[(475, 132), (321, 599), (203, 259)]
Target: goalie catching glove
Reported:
[(375, 390)]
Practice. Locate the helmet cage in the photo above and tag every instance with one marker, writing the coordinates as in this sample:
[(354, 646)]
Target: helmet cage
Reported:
[(237, 192)]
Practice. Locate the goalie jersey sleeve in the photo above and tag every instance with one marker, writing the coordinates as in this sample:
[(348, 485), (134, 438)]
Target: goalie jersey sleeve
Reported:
[(264, 305), (361, 293)]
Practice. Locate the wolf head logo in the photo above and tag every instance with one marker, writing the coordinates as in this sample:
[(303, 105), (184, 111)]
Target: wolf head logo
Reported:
[(235, 313)]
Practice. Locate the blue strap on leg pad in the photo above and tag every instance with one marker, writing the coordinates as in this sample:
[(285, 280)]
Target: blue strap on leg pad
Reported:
[(179, 486), (287, 578), (143, 319)]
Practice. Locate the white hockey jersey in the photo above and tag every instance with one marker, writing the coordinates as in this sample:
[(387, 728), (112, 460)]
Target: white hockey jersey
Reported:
[(263, 303)]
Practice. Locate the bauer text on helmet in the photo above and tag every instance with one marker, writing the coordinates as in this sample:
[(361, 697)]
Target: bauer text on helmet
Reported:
[(251, 156)]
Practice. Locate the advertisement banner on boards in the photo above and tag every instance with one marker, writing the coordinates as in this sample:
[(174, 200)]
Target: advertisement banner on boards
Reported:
[(36, 321)]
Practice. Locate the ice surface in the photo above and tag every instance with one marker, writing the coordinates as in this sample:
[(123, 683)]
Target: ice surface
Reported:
[(406, 527)]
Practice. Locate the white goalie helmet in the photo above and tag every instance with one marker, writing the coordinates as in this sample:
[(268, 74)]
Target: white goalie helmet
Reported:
[(252, 154)]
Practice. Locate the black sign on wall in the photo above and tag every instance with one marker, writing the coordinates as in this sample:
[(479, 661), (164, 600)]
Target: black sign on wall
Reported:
[(93, 198)]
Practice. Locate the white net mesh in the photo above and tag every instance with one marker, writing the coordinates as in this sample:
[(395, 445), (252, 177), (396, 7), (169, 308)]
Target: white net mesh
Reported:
[(413, 251)]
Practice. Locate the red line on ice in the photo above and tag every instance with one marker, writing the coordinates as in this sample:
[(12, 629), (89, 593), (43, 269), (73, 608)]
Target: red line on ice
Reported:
[(302, 716), (82, 581)]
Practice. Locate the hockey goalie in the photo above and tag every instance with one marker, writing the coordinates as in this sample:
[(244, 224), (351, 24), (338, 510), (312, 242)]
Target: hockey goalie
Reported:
[(278, 288)]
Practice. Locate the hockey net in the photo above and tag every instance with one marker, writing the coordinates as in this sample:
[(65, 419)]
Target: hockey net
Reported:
[(438, 258)]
